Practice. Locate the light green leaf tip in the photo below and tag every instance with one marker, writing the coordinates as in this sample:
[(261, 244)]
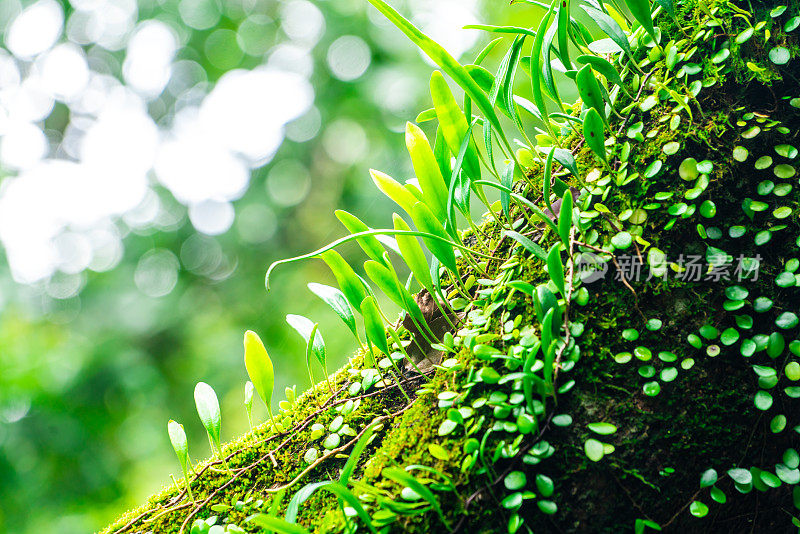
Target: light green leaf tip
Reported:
[(259, 367)]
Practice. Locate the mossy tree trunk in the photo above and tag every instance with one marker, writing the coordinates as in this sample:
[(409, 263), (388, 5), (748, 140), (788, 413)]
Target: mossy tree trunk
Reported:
[(691, 372)]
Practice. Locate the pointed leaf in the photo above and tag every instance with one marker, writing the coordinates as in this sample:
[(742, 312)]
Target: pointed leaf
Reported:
[(276, 524), (348, 280), (373, 324), (610, 27), (427, 170), (338, 303), (177, 436), (589, 90), (426, 221), (413, 254), (259, 367), (556, 269), (208, 409), (527, 244), (453, 122), (448, 63), (305, 327), (640, 9), (369, 244), (565, 218), (594, 133), (394, 190)]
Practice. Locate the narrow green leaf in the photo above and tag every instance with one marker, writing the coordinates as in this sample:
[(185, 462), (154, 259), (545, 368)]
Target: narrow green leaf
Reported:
[(486, 51), (501, 29), (640, 9), (507, 180), (304, 493), (506, 74), (556, 269), (306, 328), (386, 279), (412, 254), (453, 123), (208, 409), (527, 244), (338, 303), (563, 33), (406, 479), (426, 221), (259, 368), (355, 454), (373, 324), (594, 133), (547, 65), (370, 245), (536, 83), (565, 218), (603, 67), (276, 524), (427, 170), (393, 189), (442, 153), (550, 352), (610, 28), (589, 90), (482, 77), (441, 57), (348, 281), (460, 186)]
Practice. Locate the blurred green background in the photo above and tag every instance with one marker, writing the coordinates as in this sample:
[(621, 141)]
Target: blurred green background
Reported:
[(155, 157)]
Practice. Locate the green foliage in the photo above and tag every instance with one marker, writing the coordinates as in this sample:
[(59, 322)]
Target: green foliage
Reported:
[(509, 366)]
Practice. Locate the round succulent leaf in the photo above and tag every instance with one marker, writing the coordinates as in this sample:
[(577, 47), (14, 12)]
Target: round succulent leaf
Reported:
[(562, 420), (651, 389), (786, 320), (729, 336), (593, 449), (780, 55), (602, 428), (668, 374), (784, 171), (740, 475), (791, 458), (740, 153), (622, 240), (792, 371), (762, 400), (778, 424), (698, 509), (708, 478), (515, 480)]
